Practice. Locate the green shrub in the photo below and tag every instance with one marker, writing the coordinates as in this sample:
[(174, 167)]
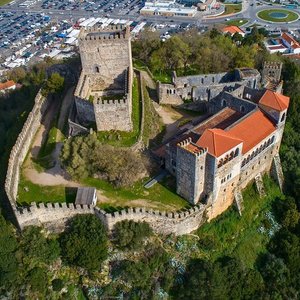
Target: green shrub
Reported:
[(130, 234)]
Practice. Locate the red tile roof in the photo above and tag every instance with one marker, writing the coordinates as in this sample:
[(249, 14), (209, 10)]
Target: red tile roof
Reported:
[(252, 130), (233, 29), (222, 120), (218, 141), (7, 84), (294, 44), (275, 100)]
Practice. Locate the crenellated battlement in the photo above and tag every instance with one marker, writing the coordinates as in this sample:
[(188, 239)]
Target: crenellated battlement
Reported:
[(273, 65), (191, 147), (55, 216), (97, 33)]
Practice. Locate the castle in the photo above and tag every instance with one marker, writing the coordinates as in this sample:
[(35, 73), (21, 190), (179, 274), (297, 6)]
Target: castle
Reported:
[(215, 159), (104, 90), (212, 161)]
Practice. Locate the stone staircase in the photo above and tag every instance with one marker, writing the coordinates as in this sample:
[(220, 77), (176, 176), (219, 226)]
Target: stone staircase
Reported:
[(260, 185), (238, 200)]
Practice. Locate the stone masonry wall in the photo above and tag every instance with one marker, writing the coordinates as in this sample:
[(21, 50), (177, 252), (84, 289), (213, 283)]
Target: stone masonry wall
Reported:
[(113, 114), (54, 217), (21, 147)]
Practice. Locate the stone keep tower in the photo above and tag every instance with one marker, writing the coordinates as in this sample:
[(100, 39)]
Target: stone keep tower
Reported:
[(271, 74), (104, 91)]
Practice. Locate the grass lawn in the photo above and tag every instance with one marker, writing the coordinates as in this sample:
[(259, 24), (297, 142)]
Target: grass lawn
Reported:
[(122, 138), (236, 22), (266, 15), (3, 2), (161, 196), (232, 9), (30, 192), (163, 77), (239, 236)]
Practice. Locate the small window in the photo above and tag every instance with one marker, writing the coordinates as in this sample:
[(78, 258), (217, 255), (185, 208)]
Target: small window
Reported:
[(283, 117), (224, 103), (272, 139), (242, 108), (97, 69)]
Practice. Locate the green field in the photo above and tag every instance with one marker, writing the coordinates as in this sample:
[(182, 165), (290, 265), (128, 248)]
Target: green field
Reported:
[(29, 192), (265, 15), (232, 9), (161, 196), (237, 22), (232, 235), (3, 2)]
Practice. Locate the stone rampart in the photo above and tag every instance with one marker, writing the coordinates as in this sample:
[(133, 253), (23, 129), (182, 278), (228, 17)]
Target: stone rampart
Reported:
[(54, 217), (21, 147)]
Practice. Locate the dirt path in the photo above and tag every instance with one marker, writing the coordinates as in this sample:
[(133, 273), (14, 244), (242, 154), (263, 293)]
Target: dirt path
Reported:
[(170, 117), (55, 175)]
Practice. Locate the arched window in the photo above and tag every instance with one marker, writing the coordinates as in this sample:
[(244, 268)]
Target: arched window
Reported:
[(282, 118), (202, 80), (237, 151), (97, 69), (213, 80), (242, 108), (224, 103), (272, 139), (243, 162), (220, 164)]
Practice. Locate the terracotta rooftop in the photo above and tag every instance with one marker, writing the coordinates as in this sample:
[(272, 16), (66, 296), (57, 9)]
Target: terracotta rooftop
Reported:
[(288, 38), (252, 130), (7, 84), (222, 120), (275, 100), (218, 141), (232, 29)]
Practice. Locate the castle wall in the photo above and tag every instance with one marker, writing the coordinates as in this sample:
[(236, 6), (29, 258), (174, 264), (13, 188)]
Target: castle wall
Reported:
[(202, 80), (238, 104), (113, 114), (85, 111), (167, 94), (55, 216), (22, 146)]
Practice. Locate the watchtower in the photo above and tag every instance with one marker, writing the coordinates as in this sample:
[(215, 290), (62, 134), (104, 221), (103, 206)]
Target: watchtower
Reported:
[(103, 93)]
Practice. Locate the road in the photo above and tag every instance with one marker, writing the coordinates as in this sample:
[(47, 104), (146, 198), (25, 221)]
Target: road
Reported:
[(249, 12)]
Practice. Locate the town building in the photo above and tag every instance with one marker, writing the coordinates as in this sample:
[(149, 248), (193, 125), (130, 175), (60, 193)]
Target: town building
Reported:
[(232, 30), (285, 44), (7, 86), (167, 9)]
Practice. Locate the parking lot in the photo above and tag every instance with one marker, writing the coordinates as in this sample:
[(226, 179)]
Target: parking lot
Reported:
[(105, 7)]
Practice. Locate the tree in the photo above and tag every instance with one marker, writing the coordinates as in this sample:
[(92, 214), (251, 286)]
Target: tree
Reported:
[(86, 156), (8, 259), (36, 246), (38, 282), (53, 85), (85, 242), (17, 74), (57, 284), (130, 235)]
